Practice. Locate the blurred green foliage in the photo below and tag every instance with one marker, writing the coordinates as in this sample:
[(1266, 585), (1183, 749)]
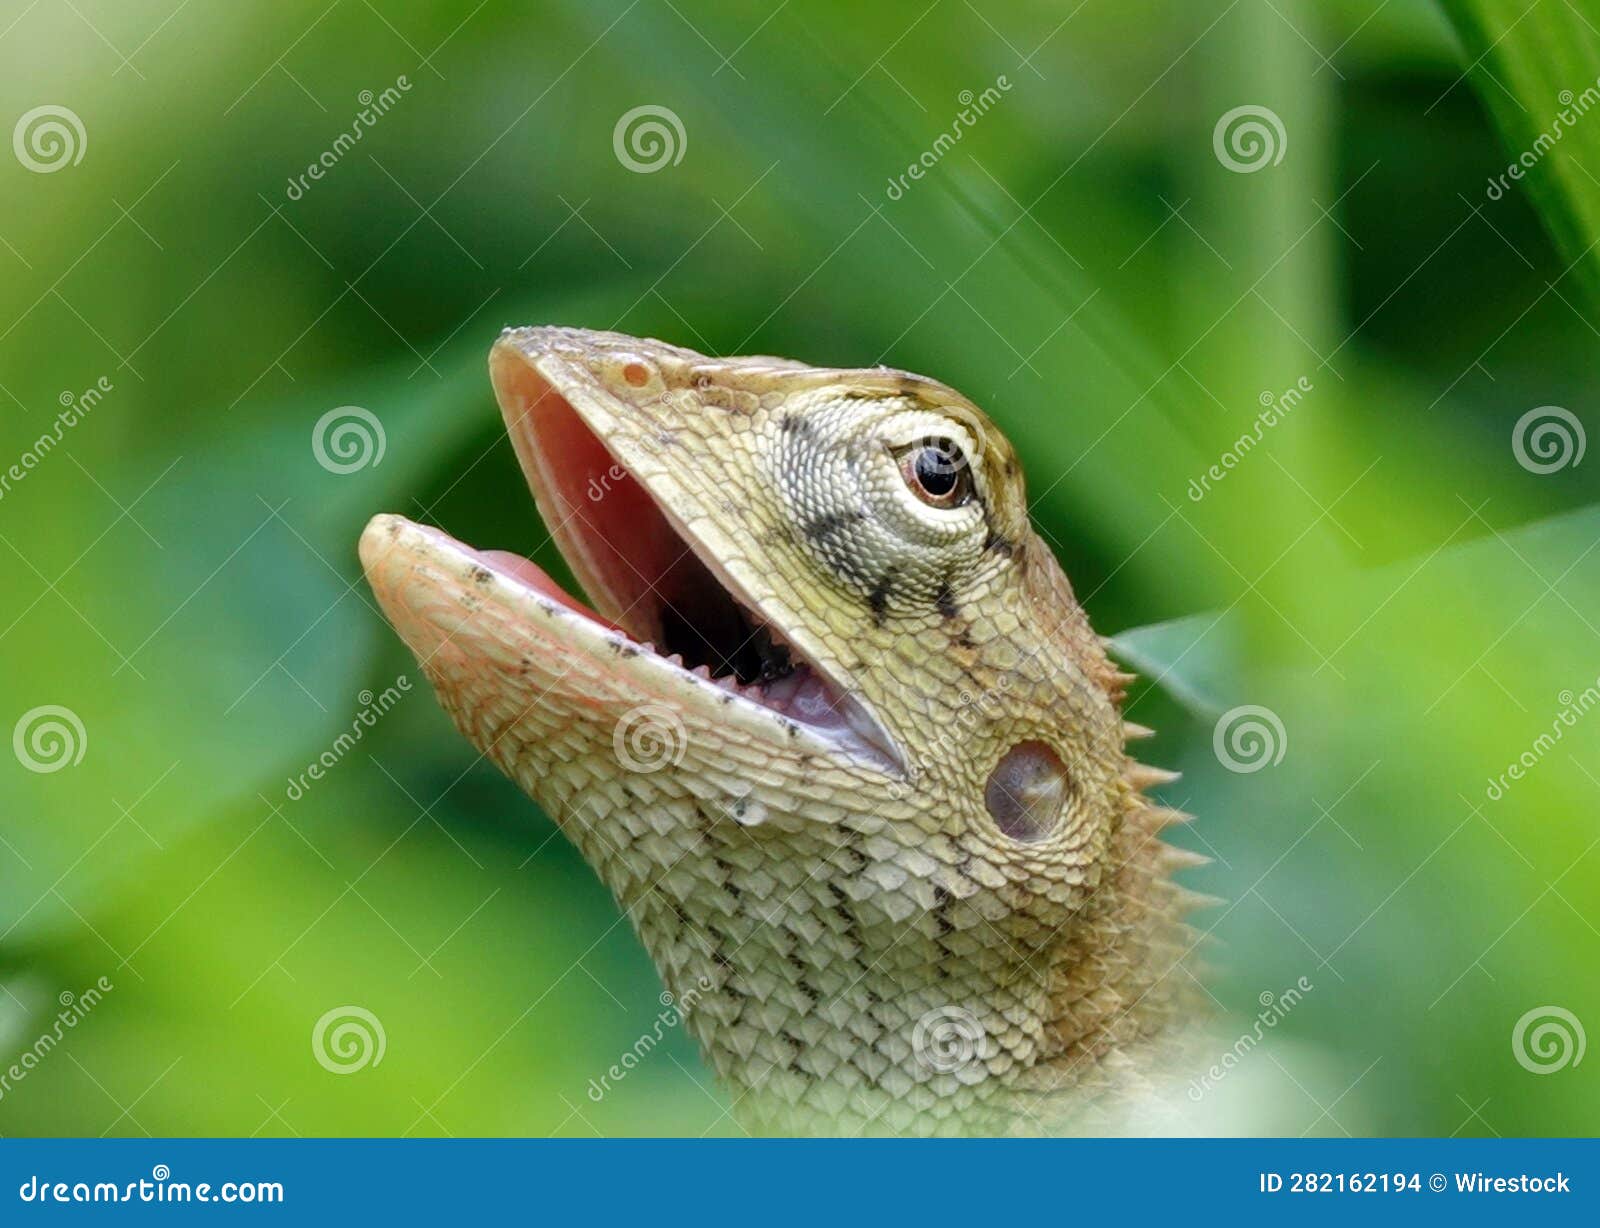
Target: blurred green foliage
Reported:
[(1380, 571)]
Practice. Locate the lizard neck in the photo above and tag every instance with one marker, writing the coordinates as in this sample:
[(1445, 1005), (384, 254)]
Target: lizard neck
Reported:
[(823, 1014)]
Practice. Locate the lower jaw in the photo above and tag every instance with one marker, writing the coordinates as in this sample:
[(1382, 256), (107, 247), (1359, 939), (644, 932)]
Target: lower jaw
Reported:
[(504, 645)]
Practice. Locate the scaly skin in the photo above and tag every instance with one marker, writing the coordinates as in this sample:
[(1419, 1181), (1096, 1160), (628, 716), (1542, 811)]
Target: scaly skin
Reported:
[(857, 943)]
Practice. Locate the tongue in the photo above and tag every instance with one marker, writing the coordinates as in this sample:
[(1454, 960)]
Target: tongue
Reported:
[(805, 697), (526, 572)]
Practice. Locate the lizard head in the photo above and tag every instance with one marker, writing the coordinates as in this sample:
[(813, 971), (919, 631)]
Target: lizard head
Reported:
[(833, 728)]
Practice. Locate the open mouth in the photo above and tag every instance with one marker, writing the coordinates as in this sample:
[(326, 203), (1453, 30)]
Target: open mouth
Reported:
[(650, 580)]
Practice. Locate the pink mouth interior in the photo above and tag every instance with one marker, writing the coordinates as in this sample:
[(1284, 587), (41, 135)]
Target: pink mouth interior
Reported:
[(646, 579)]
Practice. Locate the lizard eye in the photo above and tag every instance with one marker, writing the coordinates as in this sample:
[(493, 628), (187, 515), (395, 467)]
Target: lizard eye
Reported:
[(938, 473)]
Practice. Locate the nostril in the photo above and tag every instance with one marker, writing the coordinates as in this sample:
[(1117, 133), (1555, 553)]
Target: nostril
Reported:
[(636, 374)]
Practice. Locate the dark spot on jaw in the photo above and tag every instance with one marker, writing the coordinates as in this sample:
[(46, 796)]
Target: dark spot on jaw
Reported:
[(1001, 544), (799, 1050), (795, 424), (481, 575), (878, 598), (728, 885), (824, 526), (993, 540), (945, 600), (911, 386)]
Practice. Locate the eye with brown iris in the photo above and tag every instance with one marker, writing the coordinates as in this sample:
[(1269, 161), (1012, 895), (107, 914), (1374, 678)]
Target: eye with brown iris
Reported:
[(937, 471)]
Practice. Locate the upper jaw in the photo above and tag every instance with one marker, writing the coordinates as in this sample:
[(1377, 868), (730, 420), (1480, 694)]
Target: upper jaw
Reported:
[(580, 420)]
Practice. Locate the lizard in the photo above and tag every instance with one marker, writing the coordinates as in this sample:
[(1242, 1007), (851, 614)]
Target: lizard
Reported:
[(834, 732)]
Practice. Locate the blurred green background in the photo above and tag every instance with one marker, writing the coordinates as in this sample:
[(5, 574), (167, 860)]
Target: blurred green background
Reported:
[(1411, 603)]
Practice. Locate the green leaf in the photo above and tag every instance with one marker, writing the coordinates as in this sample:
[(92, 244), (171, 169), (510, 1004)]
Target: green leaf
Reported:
[(1537, 69)]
